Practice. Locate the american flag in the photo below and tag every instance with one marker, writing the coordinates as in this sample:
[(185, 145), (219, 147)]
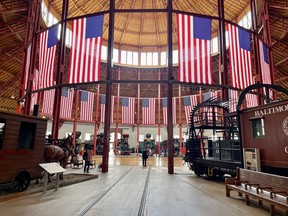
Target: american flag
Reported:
[(233, 100), (148, 110), (265, 68), (86, 49), (251, 100), (240, 57), (102, 104), (209, 95), (27, 66), (47, 50), (164, 104), (66, 103), (34, 96), (194, 45), (48, 102), (208, 110), (189, 103), (86, 106), (128, 110)]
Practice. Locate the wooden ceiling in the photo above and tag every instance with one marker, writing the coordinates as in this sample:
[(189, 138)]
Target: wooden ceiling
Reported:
[(133, 31)]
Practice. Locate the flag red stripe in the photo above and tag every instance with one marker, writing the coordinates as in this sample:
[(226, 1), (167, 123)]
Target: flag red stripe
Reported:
[(194, 54), (46, 62), (240, 61), (85, 55), (86, 108), (66, 105), (128, 112), (48, 102)]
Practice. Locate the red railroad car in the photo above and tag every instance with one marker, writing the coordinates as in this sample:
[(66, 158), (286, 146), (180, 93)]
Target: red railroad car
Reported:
[(22, 140)]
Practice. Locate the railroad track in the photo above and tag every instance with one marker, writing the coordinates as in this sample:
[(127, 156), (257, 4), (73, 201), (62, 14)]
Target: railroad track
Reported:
[(121, 185)]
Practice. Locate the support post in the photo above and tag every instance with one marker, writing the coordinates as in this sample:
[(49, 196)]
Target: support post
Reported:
[(60, 70), (170, 89), (105, 157)]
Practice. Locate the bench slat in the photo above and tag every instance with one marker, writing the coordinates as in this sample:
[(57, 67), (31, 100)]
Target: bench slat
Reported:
[(265, 187)]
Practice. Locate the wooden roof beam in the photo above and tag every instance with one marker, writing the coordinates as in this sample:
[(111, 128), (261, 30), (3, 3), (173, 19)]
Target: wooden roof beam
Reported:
[(126, 23), (281, 62), (3, 13), (6, 72)]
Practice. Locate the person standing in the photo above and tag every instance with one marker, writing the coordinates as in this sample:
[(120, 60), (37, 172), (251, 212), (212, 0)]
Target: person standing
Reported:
[(144, 156), (88, 159)]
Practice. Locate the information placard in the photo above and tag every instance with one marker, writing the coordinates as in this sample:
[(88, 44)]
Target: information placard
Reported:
[(52, 168)]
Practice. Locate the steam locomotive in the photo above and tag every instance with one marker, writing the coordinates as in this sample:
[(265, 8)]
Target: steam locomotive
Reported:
[(149, 144), (123, 145), (99, 143), (164, 147), (254, 138)]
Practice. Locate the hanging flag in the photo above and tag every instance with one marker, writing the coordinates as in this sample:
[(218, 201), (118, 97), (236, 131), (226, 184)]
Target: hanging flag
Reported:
[(233, 100), (148, 110), (251, 100), (102, 103), (86, 49), (34, 96), (48, 102), (47, 50), (210, 95), (164, 104), (208, 111), (128, 110), (189, 103), (265, 68), (66, 103), (194, 45), (240, 57), (86, 106)]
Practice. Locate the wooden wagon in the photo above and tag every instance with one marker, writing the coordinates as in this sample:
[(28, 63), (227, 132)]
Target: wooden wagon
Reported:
[(22, 140)]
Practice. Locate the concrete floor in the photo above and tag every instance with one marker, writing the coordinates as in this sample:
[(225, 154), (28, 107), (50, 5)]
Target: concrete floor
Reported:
[(130, 189)]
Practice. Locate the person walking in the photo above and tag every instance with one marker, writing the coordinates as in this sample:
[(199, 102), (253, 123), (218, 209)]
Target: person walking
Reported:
[(144, 156), (88, 159)]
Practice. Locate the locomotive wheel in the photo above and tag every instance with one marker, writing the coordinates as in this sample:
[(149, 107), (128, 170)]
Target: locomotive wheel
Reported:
[(21, 181)]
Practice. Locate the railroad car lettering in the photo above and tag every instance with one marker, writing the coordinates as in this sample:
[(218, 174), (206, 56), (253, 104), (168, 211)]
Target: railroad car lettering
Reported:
[(271, 110)]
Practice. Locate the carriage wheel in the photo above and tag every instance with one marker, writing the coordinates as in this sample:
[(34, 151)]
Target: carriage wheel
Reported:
[(21, 181)]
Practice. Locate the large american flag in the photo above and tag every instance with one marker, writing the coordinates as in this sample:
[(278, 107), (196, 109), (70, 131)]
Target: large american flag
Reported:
[(240, 57), (251, 100), (48, 102), (128, 110), (233, 100), (47, 50), (66, 103), (86, 49), (148, 110), (194, 45), (34, 96), (265, 68), (208, 110), (102, 104), (86, 106), (189, 103), (174, 115)]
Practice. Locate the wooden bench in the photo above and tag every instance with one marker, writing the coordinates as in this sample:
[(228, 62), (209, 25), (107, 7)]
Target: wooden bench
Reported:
[(264, 187)]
